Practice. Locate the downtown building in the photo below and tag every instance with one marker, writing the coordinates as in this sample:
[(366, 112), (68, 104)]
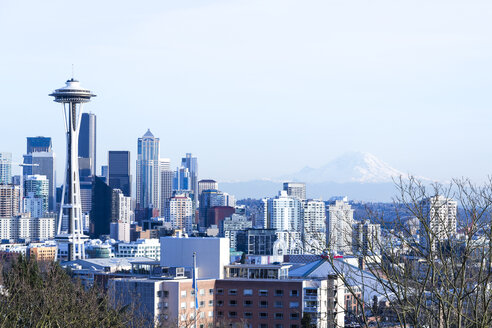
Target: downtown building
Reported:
[(339, 227), (40, 160), (119, 176), (148, 175), (439, 224), (5, 168)]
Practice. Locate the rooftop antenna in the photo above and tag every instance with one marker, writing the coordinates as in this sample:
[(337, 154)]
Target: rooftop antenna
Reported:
[(72, 72)]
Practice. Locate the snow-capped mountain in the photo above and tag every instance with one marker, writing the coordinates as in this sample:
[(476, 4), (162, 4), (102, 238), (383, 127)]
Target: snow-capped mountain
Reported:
[(351, 167)]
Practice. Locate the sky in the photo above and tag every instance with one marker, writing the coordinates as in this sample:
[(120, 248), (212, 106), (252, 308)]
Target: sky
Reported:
[(259, 88)]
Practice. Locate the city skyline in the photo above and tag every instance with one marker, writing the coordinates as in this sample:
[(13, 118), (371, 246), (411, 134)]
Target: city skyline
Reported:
[(339, 78)]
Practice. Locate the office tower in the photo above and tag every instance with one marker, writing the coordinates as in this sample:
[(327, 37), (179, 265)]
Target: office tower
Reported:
[(121, 207), (366, 238), (167, 177), (181, 212), (36, 195), (314, 225), (339, 227), (87, 141), (295, 189), (283, 213), (208, 199), (191, 163), (5, 168), (40, 159), (9, 200), (182, 179), (71, 241), (38, 144), (120, 231), (207, 184), (439, 222), (16, 180), (101, 213), (119, 171), (148, 172)]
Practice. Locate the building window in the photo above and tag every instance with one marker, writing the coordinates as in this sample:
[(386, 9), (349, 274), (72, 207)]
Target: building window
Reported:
[(220, 313), (202, 303), (248, 292), (232, 314), (232, 303), (279, 315), (220, 302), (293, 305), (278, 304), (210, 314), (263, 292), (183, 305), (294, 292), (211, 291), (232, 291), (294, 316), (263, 304), (263, 315), (202, 292), (220, 291), (263, 325), (279, 292), (192, 305), (248, 303), (279, 325), (210, 302), (248, 315), (294, 326)]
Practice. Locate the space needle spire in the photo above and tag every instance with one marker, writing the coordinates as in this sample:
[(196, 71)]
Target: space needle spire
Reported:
[(70, 236)]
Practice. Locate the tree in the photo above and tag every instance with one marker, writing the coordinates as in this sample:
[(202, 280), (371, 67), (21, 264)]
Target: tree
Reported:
[(432, 265), (49, 298)]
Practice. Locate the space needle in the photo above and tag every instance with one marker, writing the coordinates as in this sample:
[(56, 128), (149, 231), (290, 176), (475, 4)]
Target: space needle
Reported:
[(70, 236)]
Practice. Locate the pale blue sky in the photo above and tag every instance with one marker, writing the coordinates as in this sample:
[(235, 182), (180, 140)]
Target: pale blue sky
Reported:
[(259, 88)]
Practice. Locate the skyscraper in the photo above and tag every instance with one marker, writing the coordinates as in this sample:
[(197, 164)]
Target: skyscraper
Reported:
[(119, 171), (182, 179), (314, 225), (181, 212), (101, 214), (296, 189), (191, 163), (5, 168), (38, 144), (207, 184), (339, 227), (41, 161), (167, 177), (36, 191), (148, 172), (87, 141)]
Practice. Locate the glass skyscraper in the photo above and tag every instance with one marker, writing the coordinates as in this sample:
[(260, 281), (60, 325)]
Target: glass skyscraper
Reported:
[(5, 168), (148, 172), (119, 171)]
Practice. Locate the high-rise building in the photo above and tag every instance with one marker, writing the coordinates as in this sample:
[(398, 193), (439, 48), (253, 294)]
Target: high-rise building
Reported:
[(339, 227), (148, 172), (87, 140), (166, 190), (119, 171), (36, 187), (182, 179), (440, 219), (5, 168), (232, 225), (40, 159), (207, 184), (191, 163), (181, 212), (208, 199), (121, 207), (284, 213), (9, 200), (101, 214), (314, 225), (366, 238), (295, 189), (38, 144)]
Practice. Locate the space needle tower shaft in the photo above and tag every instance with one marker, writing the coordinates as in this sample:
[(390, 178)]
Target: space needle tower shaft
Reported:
[(70, 237)]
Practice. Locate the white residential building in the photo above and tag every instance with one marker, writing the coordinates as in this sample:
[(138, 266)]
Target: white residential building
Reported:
[(25, 227), (181, 212), (119, 231), (283, 213), (366, 238), (121, 207), (314, 226), (439, 220), (339, 227)]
